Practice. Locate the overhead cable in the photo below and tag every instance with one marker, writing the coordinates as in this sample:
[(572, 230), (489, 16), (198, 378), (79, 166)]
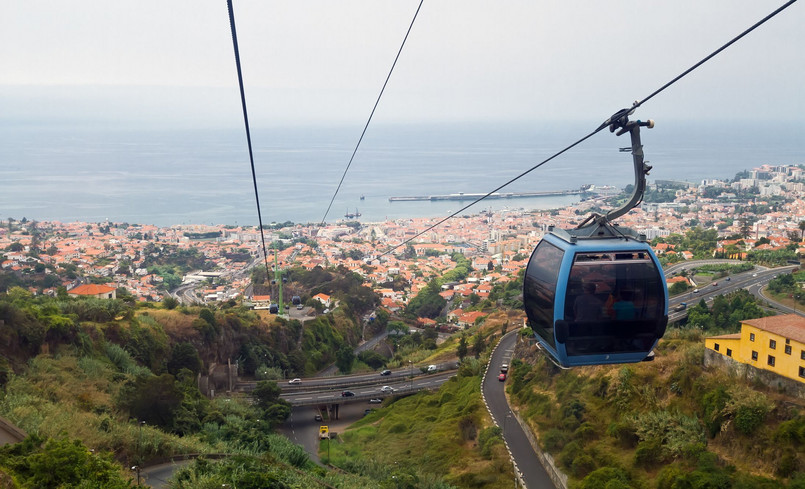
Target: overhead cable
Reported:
[(606, 123), (372, 113), (248, 132)]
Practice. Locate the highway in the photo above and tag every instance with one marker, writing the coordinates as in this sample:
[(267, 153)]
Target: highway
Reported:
[(752, 281), (315, 391)]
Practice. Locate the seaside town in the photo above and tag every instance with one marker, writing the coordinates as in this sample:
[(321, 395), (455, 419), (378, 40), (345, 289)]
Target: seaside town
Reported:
[(764, 206)]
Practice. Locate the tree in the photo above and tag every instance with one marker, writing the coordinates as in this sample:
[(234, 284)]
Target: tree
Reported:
[(461, 350), (208, 316), (344, 359), (746, 229), (169, 302), (801, 229), (153, 399), (265, 394), (267, 397), (478, 345), (184, 355), (372, 359), (60, 463)]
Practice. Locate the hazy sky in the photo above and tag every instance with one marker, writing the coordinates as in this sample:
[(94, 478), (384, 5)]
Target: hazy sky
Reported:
[(323, 60)]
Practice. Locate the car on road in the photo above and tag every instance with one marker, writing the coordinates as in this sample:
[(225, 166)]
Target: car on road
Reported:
[(432, 368), (295, 381), (368, 411), (696, 291), (317, 417), (715, 284), (502, 377), (347, 394), (727, 279), (375, 400), (387, 389), (299, 307), (385, 372)]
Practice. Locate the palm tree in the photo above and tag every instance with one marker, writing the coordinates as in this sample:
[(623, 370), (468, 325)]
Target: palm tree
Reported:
[(801, 229)]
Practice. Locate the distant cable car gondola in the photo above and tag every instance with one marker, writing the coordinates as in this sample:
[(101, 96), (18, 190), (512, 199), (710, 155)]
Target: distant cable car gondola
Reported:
[(597, 294)]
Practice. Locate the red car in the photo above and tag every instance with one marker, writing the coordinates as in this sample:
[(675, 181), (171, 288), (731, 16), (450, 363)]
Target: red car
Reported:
[(502, 377)]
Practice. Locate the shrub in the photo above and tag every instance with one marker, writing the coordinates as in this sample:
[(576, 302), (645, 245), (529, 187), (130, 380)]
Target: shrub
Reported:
[(787, 465), (748, 408), (606, 478), (582, 465), (488, 438), (648, 453), (749, 418), (554, 439), (624, 432)]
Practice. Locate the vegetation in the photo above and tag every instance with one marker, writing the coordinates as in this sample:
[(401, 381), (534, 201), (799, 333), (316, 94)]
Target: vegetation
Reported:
[(701, 242), (671, 423), (59, 463), (440, 439), (428, 303), (786, 287)]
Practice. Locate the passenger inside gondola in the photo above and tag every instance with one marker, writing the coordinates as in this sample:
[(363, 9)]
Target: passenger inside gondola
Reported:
[(588, 307)]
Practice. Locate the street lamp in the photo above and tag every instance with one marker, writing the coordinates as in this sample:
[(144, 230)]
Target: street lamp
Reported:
[(140, 441), (411, 367), (136, 468)]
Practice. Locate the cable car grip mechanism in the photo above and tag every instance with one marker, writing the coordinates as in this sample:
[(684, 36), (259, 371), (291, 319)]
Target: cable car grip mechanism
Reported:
[(600, 226)]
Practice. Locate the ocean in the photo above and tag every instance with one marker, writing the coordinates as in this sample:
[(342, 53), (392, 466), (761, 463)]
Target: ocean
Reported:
[(90, 173)]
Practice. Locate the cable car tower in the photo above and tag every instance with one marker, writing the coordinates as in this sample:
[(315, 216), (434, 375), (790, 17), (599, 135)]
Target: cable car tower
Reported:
[(596, 294), (278, 280)]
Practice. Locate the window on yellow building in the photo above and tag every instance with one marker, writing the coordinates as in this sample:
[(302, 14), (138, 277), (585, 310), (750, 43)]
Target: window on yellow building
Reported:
[(802, 354), (787, 349), (751, 336), (771, 361), (754, 355), (773, 344), (802, 372), (729, 352), (715, 347)]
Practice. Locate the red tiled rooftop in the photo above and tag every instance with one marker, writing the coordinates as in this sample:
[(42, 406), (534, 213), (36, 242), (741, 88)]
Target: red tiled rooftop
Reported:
[(91, 289), (787, 325)]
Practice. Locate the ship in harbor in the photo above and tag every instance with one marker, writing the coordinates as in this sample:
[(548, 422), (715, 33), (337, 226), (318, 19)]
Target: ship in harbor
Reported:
[(496, 195), (350, 215)]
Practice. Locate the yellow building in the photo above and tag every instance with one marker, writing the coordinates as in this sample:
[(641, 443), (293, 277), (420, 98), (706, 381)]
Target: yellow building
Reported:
[(775, 343)]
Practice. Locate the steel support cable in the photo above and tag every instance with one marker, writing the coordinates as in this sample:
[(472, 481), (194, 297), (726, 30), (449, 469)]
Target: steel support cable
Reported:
[(612, 119), (714, 53), (495, 190), (248, 132), (372, 113)]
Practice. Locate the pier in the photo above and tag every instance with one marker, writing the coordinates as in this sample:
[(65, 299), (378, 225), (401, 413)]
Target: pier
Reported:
[(496, 195)]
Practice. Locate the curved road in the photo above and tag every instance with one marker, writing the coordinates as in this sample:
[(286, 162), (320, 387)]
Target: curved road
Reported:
[(525, 459)]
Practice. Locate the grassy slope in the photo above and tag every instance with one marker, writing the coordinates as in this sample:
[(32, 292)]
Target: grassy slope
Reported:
[(429, 434), (652, 417), (447, 434)]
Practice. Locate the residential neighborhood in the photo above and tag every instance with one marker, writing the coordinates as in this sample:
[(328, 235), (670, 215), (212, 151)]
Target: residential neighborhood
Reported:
[(761, 209)]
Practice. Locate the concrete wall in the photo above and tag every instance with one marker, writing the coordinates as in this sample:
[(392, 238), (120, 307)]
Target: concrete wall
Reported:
[(10, 433), (748, 372)]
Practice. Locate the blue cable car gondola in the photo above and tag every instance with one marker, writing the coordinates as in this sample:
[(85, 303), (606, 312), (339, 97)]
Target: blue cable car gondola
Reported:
[(597, 294)]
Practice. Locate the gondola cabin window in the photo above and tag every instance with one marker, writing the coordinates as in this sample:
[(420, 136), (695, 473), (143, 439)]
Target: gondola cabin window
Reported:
[(540, 288), (613, 304)]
